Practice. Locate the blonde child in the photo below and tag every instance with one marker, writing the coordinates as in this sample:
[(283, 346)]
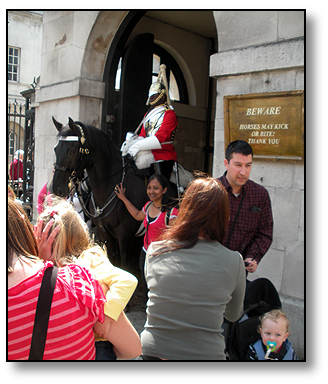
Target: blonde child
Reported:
[(72, 244), (273, 344)]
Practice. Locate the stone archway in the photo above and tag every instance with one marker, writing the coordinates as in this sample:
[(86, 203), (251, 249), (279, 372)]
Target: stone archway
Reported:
[(103, 51)]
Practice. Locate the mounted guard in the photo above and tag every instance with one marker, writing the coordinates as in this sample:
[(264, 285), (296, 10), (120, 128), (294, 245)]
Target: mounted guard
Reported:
[(84, 152), (154, 143)]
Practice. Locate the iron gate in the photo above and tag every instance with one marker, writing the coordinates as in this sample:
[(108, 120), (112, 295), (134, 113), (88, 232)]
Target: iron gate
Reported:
[(20, 150)]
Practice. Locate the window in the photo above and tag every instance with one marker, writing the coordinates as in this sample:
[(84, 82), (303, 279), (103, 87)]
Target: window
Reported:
[(13, 63), (176, 82), (12, 143), (118, 75), (174, 93), (177, 85)]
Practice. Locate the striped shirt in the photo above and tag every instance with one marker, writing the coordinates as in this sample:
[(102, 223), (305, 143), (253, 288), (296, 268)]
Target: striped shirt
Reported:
[(77, 304)]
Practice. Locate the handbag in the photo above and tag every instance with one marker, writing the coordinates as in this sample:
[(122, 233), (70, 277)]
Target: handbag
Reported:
[(42, 313)]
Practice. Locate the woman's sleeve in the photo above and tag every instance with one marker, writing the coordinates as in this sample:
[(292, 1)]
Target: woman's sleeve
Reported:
[(81, 285), (145, 207), (235, 307), (121, 284)]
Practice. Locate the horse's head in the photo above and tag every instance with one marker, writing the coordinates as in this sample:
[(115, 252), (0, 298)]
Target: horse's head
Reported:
[(68, 151)]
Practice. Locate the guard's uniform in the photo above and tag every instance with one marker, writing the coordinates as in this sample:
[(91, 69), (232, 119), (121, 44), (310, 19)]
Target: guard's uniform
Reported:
[(158, 128), (161, 122)]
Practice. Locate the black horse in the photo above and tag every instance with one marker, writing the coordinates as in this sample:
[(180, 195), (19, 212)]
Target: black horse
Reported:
[(85, 149)]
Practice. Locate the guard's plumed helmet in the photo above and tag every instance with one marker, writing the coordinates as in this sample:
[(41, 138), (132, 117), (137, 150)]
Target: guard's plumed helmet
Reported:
[(159, 87)]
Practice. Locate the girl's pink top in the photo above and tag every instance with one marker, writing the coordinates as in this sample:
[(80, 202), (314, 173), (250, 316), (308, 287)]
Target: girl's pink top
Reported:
[(155, 227)]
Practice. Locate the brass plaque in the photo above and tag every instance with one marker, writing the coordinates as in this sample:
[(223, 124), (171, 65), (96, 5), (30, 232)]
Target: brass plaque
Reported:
[(272, 123)]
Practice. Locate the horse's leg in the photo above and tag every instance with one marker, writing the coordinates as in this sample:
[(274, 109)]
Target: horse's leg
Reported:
[(130, 248), (130, 253), (104, 238), (113, 251)]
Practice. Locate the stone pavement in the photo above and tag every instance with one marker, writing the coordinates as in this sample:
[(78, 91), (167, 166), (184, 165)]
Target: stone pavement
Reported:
[(136, 309), (137, 318), (136, 312)]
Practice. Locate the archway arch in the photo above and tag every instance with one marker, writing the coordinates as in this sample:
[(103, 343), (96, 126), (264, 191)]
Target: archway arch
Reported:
[(187, 36)]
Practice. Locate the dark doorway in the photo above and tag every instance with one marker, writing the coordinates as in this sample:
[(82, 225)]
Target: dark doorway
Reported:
[(131, 67), (130, 70), (135, 80)]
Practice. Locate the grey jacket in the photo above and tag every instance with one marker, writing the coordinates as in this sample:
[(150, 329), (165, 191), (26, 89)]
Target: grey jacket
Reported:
[(190, 290)]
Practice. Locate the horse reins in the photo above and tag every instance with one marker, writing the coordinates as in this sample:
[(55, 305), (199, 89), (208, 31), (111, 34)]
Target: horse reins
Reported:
[(98, 211)]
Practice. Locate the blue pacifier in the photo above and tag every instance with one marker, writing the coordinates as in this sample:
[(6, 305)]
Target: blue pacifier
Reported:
[(271, 345)]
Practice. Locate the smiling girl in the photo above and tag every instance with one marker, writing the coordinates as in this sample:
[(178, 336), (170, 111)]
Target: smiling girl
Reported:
[(155, 214)]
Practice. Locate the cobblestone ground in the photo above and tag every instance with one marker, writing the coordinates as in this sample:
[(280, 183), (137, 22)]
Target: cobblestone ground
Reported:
[(136, 309)]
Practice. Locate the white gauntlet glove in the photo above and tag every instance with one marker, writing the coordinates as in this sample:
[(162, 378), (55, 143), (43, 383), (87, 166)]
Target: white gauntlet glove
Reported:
[(129, 139), (147, 143)]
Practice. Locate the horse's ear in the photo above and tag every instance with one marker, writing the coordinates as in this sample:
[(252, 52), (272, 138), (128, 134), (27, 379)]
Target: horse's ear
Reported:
[(73, 127), (58, 125)]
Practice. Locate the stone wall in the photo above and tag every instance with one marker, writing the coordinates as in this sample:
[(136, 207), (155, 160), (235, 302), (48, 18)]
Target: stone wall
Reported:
[(66, 89), (266, 54), (258, 51), (25, 33)]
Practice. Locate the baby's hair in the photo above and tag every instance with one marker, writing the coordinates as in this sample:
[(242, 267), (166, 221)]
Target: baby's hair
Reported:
[(73, 237), (274, 315)]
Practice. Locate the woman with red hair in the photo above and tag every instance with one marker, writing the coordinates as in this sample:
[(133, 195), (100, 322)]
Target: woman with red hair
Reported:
[(193, 280)]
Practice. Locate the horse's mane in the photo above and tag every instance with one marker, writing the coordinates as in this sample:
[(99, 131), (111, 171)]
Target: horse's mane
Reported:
[(104, 145), (96, 138)]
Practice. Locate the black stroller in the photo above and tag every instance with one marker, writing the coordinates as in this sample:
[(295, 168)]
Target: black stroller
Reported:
[(261, 296)]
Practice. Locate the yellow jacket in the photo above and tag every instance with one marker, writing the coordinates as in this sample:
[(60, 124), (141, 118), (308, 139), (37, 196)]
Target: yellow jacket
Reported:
[(121, 284)]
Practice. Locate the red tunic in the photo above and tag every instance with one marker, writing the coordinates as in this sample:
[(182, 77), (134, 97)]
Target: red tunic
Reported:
[(164, 134), (77, 304), (13, 169)]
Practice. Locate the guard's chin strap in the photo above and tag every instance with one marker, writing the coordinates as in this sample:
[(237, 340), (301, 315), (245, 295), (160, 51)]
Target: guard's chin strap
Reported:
[(157, 98)]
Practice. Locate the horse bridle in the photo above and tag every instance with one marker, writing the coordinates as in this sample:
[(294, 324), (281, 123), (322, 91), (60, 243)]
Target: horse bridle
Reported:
[(79, 159), (74, 177)]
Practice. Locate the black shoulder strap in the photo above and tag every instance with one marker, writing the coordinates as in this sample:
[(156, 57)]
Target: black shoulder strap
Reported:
[(146, 210), (167, 216), (42, 314), (147, 206), (235, 221)]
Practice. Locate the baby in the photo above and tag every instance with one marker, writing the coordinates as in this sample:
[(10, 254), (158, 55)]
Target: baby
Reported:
[(274, 344), (72, 244)]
